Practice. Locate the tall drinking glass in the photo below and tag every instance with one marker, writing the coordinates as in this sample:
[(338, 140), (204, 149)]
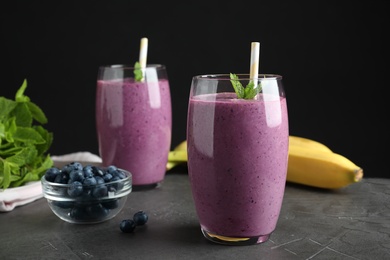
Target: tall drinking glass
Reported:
[(134, 121), (237, 157)]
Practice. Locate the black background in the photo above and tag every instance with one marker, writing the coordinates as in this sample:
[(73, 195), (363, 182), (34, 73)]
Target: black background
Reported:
[(333, 58)]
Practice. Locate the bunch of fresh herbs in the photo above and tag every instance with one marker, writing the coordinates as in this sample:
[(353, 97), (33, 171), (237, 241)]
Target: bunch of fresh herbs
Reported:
[(24, 142)]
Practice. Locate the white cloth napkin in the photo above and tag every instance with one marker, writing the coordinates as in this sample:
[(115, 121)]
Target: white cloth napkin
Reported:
[(13, 197)]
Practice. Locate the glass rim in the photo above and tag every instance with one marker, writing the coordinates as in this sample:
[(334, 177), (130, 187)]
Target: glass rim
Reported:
[(130, 67), (241, 76)]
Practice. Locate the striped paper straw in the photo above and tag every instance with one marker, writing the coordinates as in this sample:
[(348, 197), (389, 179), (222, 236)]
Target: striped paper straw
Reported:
[(255, 55), (143, 53)]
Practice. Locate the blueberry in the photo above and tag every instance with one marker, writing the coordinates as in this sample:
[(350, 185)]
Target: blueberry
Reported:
[(118, 173), (107, 177), (76, 165), (127, 225), (97, 211), (75, 189), (63, 178), (100, 191), (79, 213), (52, 173), (140, 218), (88, 171), (116, 185), (99, 180), (89, 182), (111, 204), (76, 175), (72, 166), (111, 188), (97, 171), (86, 193), (63, 204), (111, 169)]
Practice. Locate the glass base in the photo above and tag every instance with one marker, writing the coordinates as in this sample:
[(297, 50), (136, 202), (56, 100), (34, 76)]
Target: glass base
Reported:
[(146, 186), (235, 241)]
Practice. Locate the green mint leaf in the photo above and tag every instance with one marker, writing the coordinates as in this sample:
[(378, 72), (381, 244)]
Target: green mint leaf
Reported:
[(28, 135), (24, 156), (238, 88), (42, 164), (6, 106), (47, 136), (138, 75), (22, 115), (249, 92), (20, 97), (10, 129), (7, 151), (8, 174), (5, 174), (32, 112), (37, 113), (2, 132), (30, 176)]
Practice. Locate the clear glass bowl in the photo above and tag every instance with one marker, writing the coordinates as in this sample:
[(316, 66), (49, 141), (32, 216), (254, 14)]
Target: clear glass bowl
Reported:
[(97, 203)]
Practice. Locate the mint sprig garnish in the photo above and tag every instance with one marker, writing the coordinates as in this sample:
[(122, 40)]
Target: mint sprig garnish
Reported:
[(23, 141), (248, 92), (138, 75)]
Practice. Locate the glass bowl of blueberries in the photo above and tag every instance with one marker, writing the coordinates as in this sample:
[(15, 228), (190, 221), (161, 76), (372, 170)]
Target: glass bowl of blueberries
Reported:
[(86, 194)]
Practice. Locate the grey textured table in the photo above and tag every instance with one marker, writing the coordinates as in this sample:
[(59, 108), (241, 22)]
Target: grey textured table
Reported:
[(350, 223)]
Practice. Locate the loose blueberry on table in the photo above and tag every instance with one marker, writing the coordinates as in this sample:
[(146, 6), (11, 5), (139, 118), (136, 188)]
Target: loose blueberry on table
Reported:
[(127, 225), (139, 219)]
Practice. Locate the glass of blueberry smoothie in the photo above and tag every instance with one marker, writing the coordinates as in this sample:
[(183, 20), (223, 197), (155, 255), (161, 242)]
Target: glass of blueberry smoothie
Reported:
[(134, 120), (237, 138)]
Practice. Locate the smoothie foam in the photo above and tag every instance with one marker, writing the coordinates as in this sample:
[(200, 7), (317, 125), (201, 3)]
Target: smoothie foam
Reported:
[(134, 125), (238, 151)]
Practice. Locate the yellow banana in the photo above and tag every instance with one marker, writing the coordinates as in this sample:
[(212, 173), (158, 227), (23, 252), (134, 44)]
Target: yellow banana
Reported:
[(308, 143), (181, 146), (310, 163), (170, 165), (321, 169), (177, 156)]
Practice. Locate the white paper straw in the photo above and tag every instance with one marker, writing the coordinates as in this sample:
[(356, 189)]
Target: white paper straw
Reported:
[(143, 52), (254, 67), (255, 56)]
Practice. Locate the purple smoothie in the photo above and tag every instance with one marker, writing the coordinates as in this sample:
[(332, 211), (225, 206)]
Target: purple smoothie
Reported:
[(237, 162), (134, 124)]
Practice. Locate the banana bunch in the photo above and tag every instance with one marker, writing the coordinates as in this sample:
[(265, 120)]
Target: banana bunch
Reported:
[(310, 163)]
